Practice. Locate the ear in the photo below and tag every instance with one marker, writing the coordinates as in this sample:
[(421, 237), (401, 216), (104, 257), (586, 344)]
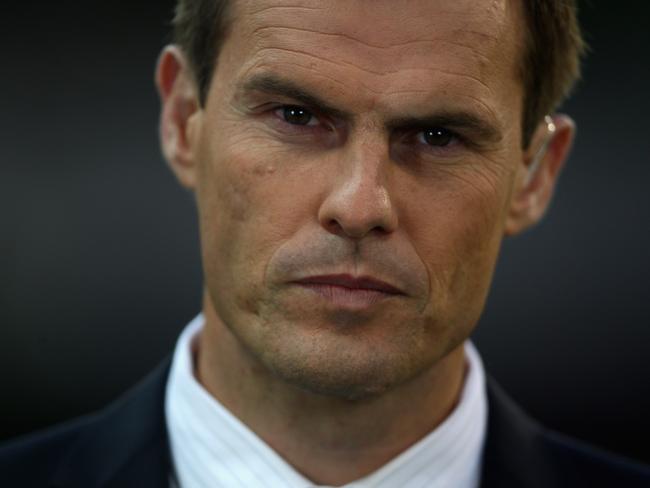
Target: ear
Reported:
[(536, 182), (180, 113)]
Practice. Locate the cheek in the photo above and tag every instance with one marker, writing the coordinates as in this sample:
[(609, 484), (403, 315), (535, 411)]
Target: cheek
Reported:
[(456, 228), (251, 200)]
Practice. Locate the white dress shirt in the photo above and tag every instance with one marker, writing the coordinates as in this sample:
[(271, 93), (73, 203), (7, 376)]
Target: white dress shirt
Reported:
[(212, 448)]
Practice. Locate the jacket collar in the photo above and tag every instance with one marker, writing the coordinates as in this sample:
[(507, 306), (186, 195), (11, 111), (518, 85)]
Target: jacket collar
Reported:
[(513, 454), (126, 444)]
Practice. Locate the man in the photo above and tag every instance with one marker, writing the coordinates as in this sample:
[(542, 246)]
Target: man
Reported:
[(355, 165)]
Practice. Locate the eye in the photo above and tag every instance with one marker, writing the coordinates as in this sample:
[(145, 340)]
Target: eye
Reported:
[(436, 137), (296, 115)]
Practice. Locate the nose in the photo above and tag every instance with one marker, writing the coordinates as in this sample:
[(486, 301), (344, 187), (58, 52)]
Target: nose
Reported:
[(359, 202)]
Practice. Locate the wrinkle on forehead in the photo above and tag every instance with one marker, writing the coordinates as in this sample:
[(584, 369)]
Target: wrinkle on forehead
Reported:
[(384, 21), (410, 70), (391, 35)]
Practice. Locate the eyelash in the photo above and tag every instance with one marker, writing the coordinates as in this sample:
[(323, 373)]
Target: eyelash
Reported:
[(418, 134)]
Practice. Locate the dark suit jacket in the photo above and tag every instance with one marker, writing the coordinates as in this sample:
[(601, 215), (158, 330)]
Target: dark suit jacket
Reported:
[(126, 446)]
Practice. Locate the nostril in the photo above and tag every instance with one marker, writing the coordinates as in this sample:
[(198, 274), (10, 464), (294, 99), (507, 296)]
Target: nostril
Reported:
[(334, 226)]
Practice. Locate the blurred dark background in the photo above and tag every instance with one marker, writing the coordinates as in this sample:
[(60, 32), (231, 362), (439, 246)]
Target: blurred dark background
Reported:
[(99, 259)]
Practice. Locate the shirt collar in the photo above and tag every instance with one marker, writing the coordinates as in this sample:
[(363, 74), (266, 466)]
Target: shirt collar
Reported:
[(212, 448)]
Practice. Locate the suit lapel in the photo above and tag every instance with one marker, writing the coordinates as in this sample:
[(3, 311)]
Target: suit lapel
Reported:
[(513, 454), (125, 445)]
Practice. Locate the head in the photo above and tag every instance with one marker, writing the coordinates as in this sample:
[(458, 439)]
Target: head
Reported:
[(380, 145)]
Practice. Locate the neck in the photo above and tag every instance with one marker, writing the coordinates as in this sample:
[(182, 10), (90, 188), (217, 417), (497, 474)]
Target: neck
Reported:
[(329, 440)]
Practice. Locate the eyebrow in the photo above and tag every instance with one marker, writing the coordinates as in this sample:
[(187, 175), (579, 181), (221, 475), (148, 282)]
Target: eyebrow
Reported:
[(454, 120)]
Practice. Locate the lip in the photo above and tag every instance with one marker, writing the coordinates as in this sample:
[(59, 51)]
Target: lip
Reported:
[(352, 283), (347, 292)]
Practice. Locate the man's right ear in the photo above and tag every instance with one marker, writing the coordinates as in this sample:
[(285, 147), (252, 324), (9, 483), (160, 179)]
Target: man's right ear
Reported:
[(180, 114)]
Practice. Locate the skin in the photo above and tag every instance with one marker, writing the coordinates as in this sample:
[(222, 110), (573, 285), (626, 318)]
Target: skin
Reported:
[(359, 191)]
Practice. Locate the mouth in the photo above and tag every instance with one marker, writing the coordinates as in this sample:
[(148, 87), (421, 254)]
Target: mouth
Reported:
[(346, 291)]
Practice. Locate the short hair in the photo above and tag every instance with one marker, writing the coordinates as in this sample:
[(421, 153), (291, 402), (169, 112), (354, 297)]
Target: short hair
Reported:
[(549, 66)]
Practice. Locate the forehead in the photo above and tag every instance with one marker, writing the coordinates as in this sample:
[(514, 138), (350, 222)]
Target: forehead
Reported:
[(382, 51)]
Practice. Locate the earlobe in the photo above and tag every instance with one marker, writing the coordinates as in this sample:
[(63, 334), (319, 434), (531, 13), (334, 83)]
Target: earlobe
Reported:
[(543, 162), (179, 112)]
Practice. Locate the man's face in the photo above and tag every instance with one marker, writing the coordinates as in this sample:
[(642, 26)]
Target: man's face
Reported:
[(346, 144)]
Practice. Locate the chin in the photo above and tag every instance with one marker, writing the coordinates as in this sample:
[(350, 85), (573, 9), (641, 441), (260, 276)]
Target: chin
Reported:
[(349, 368), (347, 356), (341, 384)]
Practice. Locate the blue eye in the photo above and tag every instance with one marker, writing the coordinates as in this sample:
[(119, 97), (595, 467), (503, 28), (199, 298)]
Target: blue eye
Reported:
[(436, 137), (296, 115)]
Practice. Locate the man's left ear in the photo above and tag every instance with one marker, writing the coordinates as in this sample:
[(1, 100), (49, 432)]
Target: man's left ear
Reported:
[(536, 181)]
